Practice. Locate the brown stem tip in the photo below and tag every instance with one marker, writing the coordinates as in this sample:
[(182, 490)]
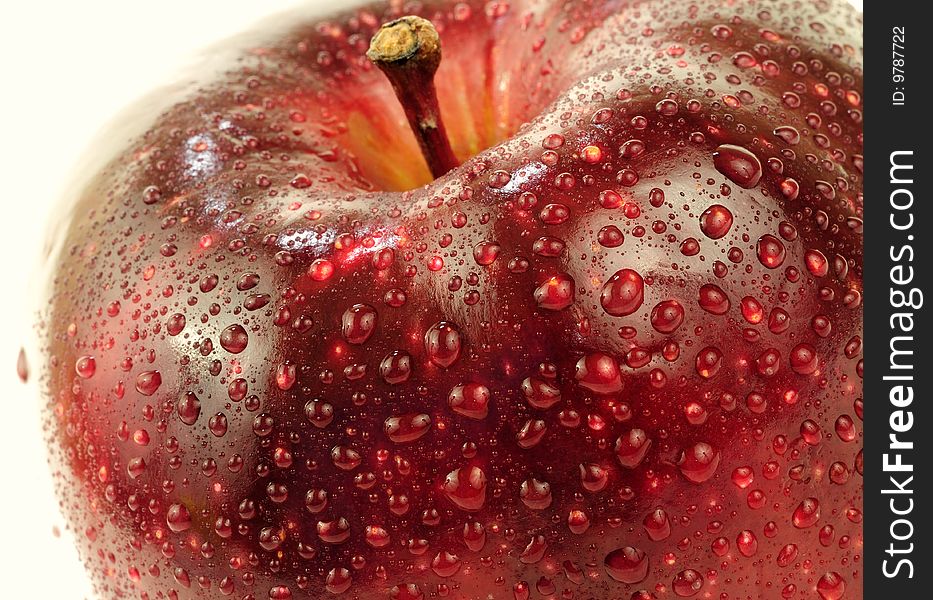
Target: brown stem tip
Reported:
[(408, 51)]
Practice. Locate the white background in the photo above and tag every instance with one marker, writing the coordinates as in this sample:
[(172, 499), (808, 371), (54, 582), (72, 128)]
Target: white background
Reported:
[(67, 67)]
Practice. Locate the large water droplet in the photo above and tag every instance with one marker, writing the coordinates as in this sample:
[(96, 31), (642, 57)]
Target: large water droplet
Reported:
[(623, 293), (627, 565), (738, 164)]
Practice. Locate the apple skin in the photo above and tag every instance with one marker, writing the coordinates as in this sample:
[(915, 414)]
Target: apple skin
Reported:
[(244, 309)]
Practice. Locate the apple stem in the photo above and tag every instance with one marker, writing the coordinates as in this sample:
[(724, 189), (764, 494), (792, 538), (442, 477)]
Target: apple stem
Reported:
[(408, 51)]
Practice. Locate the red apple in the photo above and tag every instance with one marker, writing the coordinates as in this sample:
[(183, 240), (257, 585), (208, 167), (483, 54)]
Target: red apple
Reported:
[(613, 354)]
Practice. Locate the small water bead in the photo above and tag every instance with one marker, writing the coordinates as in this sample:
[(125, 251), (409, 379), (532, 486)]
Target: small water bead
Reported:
[(721, 32), (804, 359), (627, 565), (474, 536), (623, 293), (610, 199), (632, 149), (548, 246), (578, 522), (553, 141), (690, 247), (591, 154), (321, 270), (593, 477), (816, 262), (744, 60), (743, 477), (716, 221), (338, 581), (787, 555), (845, 428), (811, 432), (531, 433), (752, 310), (598, 373), (539, 393), (738, 164), (319, 413), (667, 107), (22, 366)]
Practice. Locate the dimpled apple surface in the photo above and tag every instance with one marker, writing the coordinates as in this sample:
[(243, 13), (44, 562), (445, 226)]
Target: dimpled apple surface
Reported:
[(614, 353)]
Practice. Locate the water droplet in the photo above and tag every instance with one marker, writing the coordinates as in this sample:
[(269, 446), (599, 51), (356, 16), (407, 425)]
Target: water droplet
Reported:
[(358, 323), (807, 513), (557, 293), (632, 447), (627, 565), (657, 524), (738, 164), (687, 583), (623, 293), (396, 367), (699, 462), (470, 400), (667, 316), (407, 428), (148, 382), (466, 487), (535, 494), (22, 366), (713, 299), (178, 518), (599, 373), (234, 339), (539, 393), (486, 252), (716, 221), (85, 367), (189, 408), (831, 586), (442, 342), (771, 251), (747, 543), (708, 362)]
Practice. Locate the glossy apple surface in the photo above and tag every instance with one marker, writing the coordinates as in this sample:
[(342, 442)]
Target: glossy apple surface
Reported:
[(615, 354)]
